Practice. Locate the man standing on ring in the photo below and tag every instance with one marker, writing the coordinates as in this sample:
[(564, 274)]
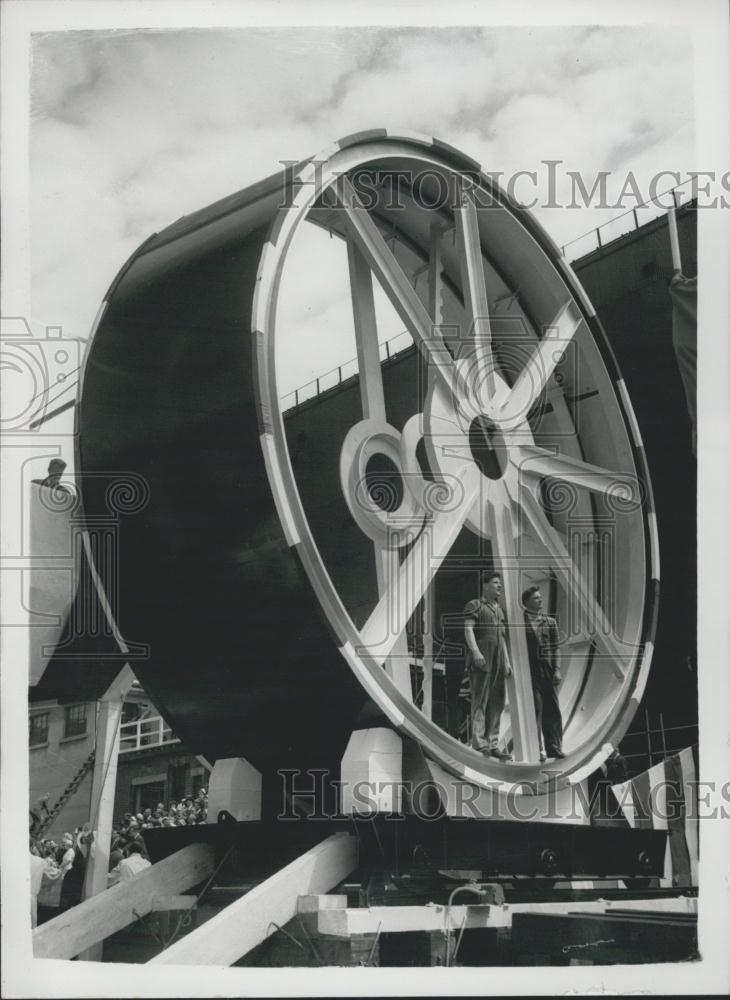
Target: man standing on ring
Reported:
[(487, 663), (542, 647)]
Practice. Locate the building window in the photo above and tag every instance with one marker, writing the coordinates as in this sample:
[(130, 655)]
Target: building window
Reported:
[(198, 781), (178, 775), (38, 729), (75, 721), (148, 795)]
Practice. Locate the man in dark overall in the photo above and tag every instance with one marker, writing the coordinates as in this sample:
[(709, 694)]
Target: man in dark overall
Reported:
[(542, 648), (487, 664)]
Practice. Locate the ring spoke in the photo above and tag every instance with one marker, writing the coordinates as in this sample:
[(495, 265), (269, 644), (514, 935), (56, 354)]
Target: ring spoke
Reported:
[(397, 664), (405, 588), (534, 461), (435, 275), (364, 232), (519, 685), (475, 293), (366, 335), (535, 375), (575, 585)]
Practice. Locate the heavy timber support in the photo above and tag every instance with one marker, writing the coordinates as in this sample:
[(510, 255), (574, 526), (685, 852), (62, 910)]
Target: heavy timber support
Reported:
[(242, 925), (346, 922), (110, 911), (103, 787)]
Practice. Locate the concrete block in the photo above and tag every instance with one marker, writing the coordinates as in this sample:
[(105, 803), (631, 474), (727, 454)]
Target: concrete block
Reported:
[(372, 772), (235, 785), (325, 901)]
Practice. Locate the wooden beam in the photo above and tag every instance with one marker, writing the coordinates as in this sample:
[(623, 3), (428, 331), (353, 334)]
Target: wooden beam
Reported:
[(103, 787), (238, 928), (108, 716), (161, 904), (120, 686), (97, 918), (315, 903), (405, 919), (345, 922)]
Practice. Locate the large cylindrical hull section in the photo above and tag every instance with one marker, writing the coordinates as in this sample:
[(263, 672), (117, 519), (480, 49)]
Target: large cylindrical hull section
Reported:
[(233, 574)]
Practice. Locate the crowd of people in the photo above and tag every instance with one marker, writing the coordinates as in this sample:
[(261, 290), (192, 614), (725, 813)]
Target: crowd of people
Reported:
[(63, 863), (63, 855), (66, 861), (186, 812), (128, 853)]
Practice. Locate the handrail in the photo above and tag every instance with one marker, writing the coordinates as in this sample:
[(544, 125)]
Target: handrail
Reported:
[(634, 213), (296, 395), (141, 734)]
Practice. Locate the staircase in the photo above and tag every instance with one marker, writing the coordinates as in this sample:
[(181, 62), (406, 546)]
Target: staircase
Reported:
[(40, 828)]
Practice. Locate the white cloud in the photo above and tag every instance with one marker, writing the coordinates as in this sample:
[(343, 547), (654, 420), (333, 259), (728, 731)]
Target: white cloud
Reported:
[(133, 129)]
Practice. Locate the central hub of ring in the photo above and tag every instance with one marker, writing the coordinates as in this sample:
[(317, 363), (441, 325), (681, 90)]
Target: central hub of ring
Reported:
[(383, 482), (488, 448)]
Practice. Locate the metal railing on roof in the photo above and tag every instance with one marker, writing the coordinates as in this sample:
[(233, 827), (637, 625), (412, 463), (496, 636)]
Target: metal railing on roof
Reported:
[(636, 217), (599, 236), (341, 373)]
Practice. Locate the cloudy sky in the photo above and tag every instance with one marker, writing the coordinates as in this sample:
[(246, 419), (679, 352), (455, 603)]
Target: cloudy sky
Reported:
[(131, 129)]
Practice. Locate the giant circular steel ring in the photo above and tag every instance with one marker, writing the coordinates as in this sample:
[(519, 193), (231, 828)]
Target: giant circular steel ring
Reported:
[(515, 446)]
